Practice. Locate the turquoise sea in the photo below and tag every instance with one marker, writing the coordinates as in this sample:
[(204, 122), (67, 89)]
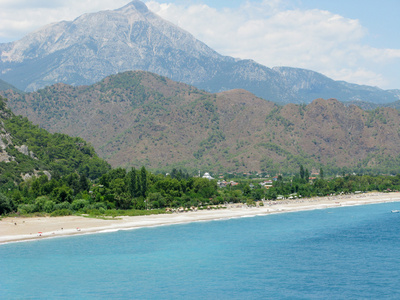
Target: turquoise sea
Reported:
[(339, 253)]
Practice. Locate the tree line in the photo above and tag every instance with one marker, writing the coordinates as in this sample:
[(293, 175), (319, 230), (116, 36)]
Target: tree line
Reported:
[(138, 191), (117, 189)]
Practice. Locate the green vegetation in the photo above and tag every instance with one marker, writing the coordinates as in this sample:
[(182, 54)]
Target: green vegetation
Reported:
[(376, 114), (58, 152), (138, 192), (297, 187), (60, 167), (116, 192)]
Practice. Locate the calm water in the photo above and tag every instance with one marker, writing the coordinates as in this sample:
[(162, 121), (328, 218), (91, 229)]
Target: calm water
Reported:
[(342, 253)]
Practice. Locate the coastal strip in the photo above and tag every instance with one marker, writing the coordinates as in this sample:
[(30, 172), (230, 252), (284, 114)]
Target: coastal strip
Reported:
[(18, 229)]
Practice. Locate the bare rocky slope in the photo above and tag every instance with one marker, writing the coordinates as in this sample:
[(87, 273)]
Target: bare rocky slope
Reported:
[(139, 118)]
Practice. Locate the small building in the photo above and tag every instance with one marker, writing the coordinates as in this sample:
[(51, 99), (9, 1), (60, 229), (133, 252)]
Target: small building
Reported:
[(207, 176), (222, 184)]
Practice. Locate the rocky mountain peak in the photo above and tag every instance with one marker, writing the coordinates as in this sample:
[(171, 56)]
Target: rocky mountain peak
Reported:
[(96, 45), (134, 5)]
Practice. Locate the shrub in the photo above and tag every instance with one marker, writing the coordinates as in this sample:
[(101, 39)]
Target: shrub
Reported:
[(93, 212), (26, 208), (110, 205), (250, 202), (99, 206), (61, 212), (79, 204), (40, 203), (49, 206), (62, 205)]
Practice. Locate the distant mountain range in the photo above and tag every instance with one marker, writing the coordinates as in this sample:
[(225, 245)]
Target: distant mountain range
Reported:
[(96, 45), (140, 118)]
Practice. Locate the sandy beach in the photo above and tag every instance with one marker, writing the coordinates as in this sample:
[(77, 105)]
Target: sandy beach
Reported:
[(19, 229)]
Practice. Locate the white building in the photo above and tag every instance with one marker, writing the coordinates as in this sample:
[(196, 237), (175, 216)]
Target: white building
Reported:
[(207, 175)]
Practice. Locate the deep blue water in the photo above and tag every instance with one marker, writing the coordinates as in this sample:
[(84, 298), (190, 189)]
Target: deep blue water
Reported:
[(341, 253)]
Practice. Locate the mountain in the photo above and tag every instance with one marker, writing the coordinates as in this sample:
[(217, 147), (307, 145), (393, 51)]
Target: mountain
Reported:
[(140, 118), (96, 45), (6, 86), (306, 84), (93, 46), (27, 150)]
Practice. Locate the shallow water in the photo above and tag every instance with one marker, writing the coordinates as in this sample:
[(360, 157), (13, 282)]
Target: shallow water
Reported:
[(341, 253)]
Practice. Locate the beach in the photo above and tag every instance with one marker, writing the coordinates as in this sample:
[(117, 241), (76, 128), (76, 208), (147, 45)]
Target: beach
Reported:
[(18, 229)]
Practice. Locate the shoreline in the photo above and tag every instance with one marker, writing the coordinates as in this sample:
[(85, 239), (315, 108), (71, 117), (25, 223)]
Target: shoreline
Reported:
[(20, 229)]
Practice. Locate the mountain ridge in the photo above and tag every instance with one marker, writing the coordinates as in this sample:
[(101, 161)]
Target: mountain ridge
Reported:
[(140, 118), (93, 46), (6, 86)]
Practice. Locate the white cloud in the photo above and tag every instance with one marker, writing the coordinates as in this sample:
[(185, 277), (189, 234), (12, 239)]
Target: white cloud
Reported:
[(360, 75), (19, 17), (273, 35)]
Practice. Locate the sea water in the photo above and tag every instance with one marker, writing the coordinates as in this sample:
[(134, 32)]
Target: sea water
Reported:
[(339, 253)]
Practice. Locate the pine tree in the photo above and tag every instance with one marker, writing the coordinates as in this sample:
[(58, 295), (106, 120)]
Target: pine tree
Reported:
[(143, 182), (133, 184), (302, 173), (83, 183), (307, 175)]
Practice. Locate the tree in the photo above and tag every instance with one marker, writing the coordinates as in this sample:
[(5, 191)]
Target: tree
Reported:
[(5, 204), (258, 193), (302, 172), (143, 182), (133, 184), (72, 180), (204, 187), (156, 200), (306, 175), (175, 174), (83, 183), (62, 194), (117, 186), (246, 190), (35, 188), (168, 187)]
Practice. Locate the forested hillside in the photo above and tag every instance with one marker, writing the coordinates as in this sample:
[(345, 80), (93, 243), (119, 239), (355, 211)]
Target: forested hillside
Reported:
[(139, 119), (27, 150)]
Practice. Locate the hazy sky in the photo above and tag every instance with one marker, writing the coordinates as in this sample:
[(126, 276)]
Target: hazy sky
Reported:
[(353, 40)]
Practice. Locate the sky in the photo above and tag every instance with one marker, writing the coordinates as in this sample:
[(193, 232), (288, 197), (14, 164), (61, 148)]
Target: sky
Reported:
[(356, 41)]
